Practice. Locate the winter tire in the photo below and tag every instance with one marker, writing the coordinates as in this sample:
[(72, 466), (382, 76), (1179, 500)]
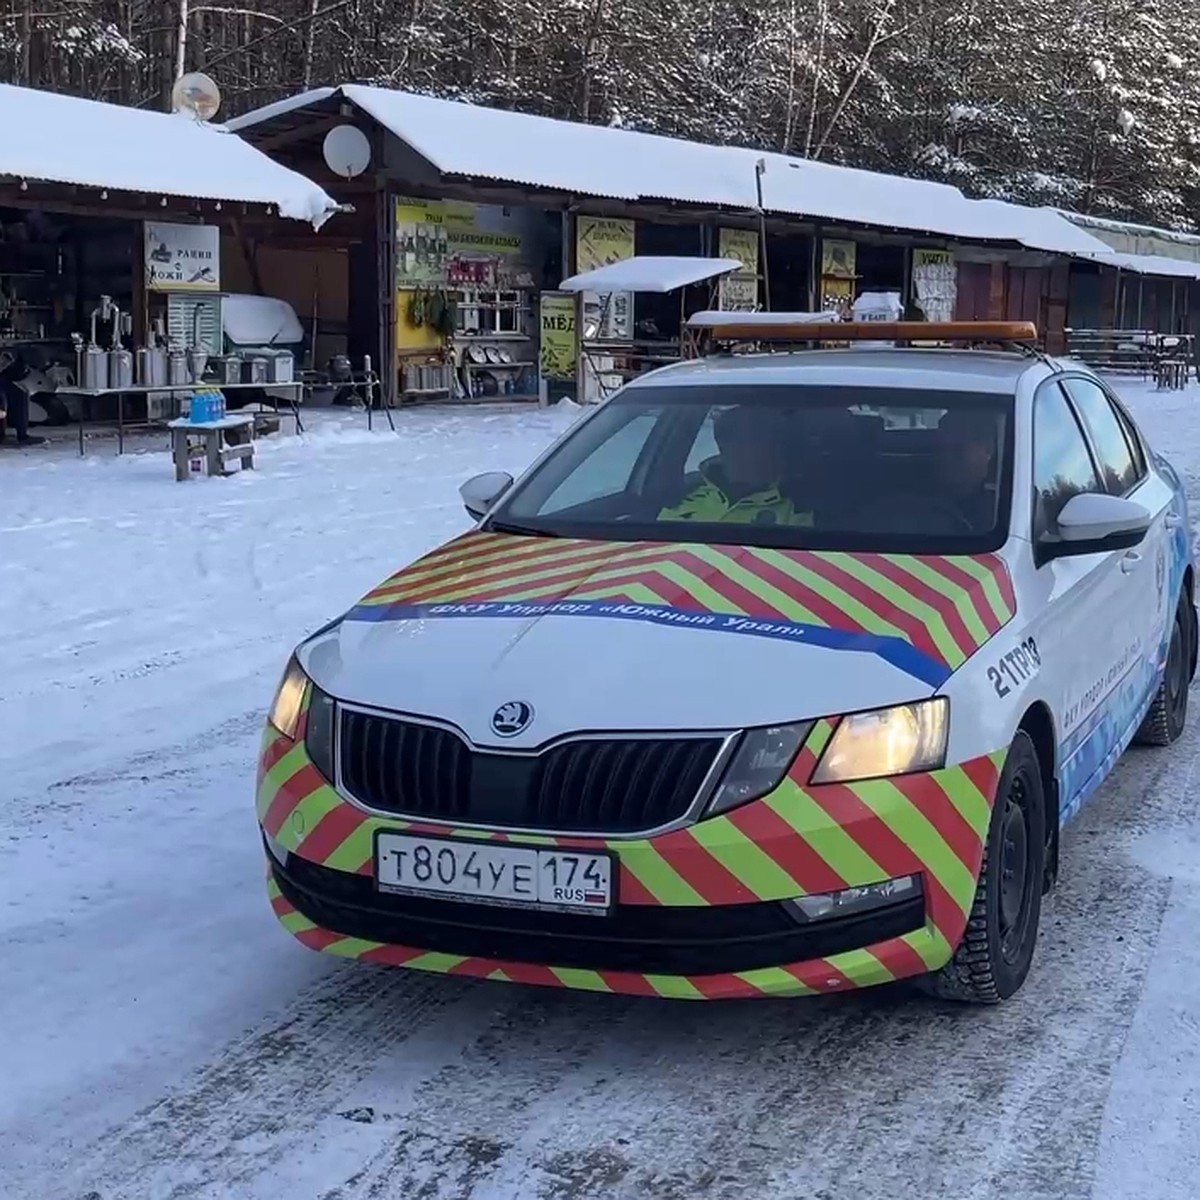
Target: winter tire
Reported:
[(1168, 710), (993, 958)]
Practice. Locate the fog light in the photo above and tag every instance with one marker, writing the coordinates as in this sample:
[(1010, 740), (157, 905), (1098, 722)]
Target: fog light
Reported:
[(856, 899)]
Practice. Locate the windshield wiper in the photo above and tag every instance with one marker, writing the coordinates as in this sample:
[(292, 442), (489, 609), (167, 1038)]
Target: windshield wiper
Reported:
[(520, 530)]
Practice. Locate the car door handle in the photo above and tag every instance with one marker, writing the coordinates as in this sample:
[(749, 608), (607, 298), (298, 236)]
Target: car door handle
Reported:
[(1173, 520), (1129, 561)]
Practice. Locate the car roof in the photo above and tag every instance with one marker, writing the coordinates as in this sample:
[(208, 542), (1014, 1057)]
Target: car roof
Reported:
[(995, 372)]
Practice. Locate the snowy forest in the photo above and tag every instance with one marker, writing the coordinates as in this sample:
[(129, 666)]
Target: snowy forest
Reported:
[(1092, 105)]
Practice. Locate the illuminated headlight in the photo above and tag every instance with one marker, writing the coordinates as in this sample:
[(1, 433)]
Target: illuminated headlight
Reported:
[(857, 899), (759, 763), (888, 741), (289, 700)]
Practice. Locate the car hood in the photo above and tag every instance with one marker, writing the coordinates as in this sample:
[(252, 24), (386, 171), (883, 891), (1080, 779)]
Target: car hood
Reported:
[(620, 636)]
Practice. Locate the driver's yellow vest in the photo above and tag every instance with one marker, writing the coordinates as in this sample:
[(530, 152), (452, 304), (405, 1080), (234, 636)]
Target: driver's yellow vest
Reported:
[(709, 502)]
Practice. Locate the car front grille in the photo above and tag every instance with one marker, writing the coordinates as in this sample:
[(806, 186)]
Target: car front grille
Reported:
[(590, 785)]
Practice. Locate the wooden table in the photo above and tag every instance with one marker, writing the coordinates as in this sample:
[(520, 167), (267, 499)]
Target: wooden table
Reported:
[(223, 441)]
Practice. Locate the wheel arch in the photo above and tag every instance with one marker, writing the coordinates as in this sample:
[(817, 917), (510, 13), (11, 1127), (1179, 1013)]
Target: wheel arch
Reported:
[(1038, 724)]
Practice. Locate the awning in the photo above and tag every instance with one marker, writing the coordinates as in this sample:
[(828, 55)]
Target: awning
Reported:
[(649, 273), (62, 139)]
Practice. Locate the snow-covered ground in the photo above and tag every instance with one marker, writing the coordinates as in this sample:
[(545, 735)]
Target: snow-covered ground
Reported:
[(161, 1037)]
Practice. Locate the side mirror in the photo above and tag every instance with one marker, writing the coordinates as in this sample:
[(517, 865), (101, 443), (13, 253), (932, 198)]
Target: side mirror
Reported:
[(1094, 524), (480, 492)]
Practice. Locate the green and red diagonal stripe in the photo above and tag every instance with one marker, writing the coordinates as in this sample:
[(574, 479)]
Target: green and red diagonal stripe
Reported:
[(801, 839), (945, 607)]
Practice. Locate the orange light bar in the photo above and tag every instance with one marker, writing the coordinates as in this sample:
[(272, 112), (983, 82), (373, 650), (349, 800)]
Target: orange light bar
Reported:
[(766, 330)]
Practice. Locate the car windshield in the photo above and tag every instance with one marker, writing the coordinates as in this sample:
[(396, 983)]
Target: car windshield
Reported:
[(794, 467)]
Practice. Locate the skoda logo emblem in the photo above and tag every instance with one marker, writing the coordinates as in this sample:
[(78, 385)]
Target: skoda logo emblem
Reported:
[(512, 718)]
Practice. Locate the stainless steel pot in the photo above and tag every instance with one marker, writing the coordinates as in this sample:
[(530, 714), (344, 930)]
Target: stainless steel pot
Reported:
[(177, 368), (120, 369), (254, 370)]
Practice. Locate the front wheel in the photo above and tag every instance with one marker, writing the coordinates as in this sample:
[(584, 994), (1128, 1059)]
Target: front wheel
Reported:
[(994, 956)]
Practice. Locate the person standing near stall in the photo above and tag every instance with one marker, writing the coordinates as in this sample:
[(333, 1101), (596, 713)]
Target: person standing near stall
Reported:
[(14, 400)]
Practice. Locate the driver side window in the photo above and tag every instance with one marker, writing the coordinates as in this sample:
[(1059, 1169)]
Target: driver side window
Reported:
[(1062, 461)]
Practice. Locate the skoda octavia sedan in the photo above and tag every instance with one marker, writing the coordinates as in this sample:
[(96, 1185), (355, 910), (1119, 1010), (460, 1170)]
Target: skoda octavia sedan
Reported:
[(778, 674)]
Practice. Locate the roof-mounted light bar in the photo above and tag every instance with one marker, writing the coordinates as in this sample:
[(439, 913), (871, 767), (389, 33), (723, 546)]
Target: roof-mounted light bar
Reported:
[(774, 327)]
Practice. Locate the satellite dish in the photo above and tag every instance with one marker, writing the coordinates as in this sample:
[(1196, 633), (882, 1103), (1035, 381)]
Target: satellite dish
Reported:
[(196, 94), (347, 151)]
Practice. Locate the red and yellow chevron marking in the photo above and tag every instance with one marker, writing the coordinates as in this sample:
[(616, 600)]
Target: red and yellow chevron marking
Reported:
[(801, 839), (946, 607)]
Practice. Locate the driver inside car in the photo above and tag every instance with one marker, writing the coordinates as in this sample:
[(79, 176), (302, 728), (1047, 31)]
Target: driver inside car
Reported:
[(966, 448), (741, 482)]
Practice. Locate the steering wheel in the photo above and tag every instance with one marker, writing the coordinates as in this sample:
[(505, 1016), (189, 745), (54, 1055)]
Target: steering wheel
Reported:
[(909, 506)]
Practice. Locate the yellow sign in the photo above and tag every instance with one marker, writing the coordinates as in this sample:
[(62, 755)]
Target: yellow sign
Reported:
[(838, 259), (741, 244), (739, 291), (600, 241), (430, 234), (932, 258), (557, 355)]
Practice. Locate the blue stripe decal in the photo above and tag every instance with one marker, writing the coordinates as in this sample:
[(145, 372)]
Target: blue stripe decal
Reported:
[(896, 651)]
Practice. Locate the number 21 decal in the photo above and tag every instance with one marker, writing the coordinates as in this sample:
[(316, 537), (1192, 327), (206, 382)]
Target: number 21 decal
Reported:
[(1015, 667)]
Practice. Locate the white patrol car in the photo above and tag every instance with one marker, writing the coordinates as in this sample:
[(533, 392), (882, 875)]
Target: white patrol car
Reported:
[(779, 673)]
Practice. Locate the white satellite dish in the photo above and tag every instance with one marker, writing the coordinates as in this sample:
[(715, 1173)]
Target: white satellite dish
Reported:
[(196, 94), (347, 151)]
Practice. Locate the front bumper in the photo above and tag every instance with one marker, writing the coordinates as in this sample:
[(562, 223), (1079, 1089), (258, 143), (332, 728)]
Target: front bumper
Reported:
[(699, 913)]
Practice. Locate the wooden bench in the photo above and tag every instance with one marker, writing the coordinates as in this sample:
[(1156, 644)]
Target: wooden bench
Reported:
[(219, 442)]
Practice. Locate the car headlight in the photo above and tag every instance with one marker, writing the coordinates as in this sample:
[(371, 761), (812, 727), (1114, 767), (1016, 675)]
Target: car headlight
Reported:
[(289, 700), (761, 760), (887, 741)]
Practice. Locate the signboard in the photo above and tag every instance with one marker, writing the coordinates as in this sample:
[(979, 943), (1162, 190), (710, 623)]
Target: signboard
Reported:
[(442, 243), (739, 291), (600, 241), (182, 258), (935, 284), (838, 262), (557, 353)]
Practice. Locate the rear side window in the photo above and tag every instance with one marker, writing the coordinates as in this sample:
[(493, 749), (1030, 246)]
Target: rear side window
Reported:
[(1113, 450), (1062, 462)]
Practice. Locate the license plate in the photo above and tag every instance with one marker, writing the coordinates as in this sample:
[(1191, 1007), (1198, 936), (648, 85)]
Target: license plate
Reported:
[(494, 873)]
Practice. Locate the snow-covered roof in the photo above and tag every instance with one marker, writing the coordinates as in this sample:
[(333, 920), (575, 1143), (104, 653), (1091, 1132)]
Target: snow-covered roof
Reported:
[(649, 273), (64, 139), (1147, 264), (471, 141)]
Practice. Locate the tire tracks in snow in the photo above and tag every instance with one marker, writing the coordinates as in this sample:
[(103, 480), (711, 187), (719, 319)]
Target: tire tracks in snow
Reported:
[(382, 1084)]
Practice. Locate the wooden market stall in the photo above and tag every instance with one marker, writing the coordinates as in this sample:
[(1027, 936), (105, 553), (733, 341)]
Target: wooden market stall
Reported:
[(111, 290)]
